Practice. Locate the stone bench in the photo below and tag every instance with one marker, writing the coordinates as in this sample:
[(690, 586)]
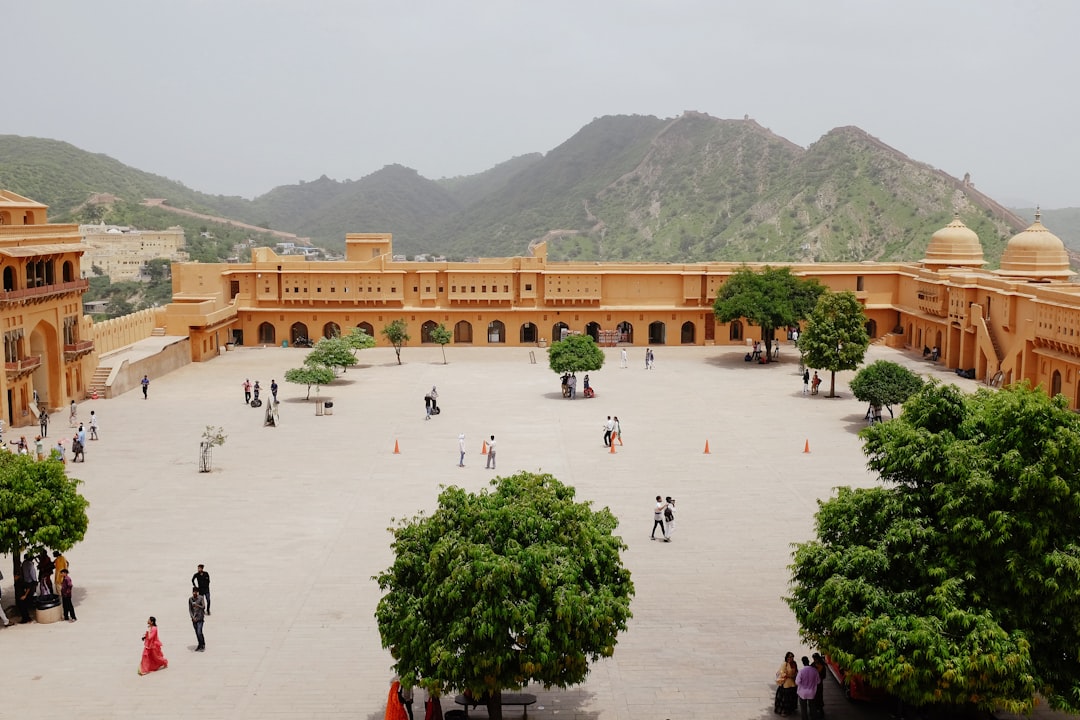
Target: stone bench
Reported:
[(524, 700)]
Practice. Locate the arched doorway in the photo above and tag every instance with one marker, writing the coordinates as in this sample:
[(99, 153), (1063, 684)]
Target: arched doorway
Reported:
[(910, 333), (298, 330), (593, 331), (463, 332), (919, 341), (9, 278), (687, 333), (626, 332), (366, 327), (425, 331), (937, 343), (871, 328), (68, 271), (267, 334), (657, 333), (1055, 384), (496, 332), (735, 331), (331, 330), (528, 333), (43, 344), (558, 331)]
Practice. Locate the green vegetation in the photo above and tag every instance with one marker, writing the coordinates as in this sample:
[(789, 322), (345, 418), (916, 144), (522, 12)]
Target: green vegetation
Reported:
[(955, 583), (884, 383), (835, 336), (441, 335), (771, 299), (397, 332), (332, 352), (577, 353), (309, 375), (501, 588)]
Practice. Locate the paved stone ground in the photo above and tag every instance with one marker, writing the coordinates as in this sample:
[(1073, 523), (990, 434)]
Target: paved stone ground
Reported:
[(291, 524)]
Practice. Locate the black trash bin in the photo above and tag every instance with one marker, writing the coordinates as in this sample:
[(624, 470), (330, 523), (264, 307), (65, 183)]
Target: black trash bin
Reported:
[(47, 609)]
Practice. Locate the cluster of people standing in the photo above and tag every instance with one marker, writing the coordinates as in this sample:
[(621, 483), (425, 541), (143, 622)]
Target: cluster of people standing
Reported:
[(801, 687), (663, 518), (612, 431), (41, 576)]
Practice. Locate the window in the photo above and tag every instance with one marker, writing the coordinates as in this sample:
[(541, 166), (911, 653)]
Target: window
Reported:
[(472, 288), (483, 288), (528, 286), (453, 288), (506, 288)]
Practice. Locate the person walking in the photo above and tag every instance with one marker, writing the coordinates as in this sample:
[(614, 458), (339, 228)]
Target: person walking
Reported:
[(806, 382), (273, 389), (609, 427), (815, 383), (201, 580), (491, 454), (648, 353), (669, 518), (3, 616), (145, 382), (152, 657), (197, 610), (658, 518), (73, 414), (461, 449), (39, 448), (59, 453), (43, 420), (93, 425), (807, 682), (247, 391), (624, 361), (618, 431), (77, 449), (65, 596), (82, 437)]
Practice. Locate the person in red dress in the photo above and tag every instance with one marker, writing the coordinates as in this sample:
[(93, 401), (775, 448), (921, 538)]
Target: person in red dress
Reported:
[(152, 657)]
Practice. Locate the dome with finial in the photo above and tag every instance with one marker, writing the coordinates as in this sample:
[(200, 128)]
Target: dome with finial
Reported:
[(955, 245), (1036, 253)]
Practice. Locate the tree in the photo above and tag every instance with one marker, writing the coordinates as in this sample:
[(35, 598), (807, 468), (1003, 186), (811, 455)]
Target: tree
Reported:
[(770, 299), (577, 353), (442, 336), (835, 336), (310, 375), (955, 583), (885, 383), (504, 587), (357, 339), (331, 353), (397, 332), (40, 506), (158, 269)]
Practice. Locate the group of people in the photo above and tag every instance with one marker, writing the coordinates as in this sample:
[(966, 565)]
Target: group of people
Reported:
[(810, 385), (58, 451), (612, 431), (801, 687), (153, 658), (431, 403), (663, 518), (252, 392), (41, 576)]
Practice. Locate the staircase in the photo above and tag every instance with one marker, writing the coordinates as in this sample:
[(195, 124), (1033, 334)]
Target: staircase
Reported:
[(993, 341), (97, 382), (157, 332)]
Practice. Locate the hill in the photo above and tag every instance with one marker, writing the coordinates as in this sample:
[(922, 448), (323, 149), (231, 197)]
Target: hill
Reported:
[(624, 187)]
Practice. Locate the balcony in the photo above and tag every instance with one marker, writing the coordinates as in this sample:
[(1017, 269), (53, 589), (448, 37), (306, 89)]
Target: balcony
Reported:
[(43, 292), (77, 349), (23, 366)]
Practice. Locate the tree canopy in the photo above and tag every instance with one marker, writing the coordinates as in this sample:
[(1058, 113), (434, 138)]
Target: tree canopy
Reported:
[(577, 353), (397, 332), (500, 588), (40, 506), (310, 375), (955, 584), (835, 335), (332, 352), (772, 298), (441, 335), (885, 383)]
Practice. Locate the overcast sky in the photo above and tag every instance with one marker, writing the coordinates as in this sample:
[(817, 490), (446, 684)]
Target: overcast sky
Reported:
[(239, 96)]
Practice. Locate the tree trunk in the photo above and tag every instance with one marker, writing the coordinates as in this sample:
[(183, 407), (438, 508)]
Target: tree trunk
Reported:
[(494, 705), (443, 348), (308, 393), (832, 383)]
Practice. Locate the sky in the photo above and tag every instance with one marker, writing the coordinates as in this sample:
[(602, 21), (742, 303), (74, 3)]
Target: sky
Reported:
[(236, 97)]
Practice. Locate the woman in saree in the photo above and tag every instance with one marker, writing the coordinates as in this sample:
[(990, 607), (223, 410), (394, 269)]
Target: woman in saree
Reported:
[(152, 657)]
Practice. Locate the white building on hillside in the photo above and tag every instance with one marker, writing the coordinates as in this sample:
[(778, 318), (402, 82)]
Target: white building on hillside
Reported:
[(122, 251)]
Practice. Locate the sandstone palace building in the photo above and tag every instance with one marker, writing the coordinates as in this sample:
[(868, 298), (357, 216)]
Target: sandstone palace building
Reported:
[(1019, 322)]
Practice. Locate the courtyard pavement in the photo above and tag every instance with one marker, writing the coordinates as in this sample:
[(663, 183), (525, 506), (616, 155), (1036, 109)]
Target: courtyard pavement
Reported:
[(292, 524)]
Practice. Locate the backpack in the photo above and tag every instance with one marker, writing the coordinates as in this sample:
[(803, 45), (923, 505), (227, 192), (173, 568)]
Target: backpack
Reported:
[(668, 515)]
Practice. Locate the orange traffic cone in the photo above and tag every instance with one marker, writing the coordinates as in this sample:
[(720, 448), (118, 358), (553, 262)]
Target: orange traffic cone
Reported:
[(706, 448), (806, 447), (483, 450), (397, 450), (612, 448)]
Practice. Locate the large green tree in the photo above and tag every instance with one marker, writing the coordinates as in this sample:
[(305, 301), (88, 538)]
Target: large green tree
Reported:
[(332, 352), (957, 582), (885, 383), (771, 298), (397, 332), (835, 335), (40, 506), (504, 587), (577, 353)]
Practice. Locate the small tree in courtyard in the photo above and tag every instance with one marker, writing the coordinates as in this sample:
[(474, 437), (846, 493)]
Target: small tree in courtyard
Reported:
[(310, 375), (359, 340), (504, 587), (772, 298), (577, 353), (333, 352), (956, 583), (884, 383), (441, 335), (40, 506), (835, 336), (397, 332)]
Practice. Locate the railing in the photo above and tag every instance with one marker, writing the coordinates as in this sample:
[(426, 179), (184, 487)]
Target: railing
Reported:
[(23, 365), (79, 347), (44, 290)]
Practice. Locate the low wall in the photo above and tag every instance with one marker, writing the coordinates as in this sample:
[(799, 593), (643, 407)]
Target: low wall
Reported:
[(111, 335), (128, 373)]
